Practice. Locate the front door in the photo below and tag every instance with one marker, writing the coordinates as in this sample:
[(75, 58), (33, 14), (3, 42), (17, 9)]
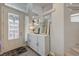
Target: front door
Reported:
[(13, 28)]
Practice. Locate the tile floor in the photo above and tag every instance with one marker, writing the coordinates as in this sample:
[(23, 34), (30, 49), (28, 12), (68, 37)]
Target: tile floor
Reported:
[(29, 52)]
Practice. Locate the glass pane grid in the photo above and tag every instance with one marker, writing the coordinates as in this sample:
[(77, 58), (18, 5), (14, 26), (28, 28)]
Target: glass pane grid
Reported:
[(13, 26)]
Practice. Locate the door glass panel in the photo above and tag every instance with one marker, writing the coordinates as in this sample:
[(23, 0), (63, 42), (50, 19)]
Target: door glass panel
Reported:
[(13, 26)]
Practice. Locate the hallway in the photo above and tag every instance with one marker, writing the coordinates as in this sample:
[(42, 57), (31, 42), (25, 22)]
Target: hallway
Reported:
[(46, 28), (72, 52)]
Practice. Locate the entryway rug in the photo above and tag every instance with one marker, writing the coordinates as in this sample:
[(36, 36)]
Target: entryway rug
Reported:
[(15, 52)]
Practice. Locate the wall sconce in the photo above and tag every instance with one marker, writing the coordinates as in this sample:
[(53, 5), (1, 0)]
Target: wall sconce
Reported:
[(32, 28)]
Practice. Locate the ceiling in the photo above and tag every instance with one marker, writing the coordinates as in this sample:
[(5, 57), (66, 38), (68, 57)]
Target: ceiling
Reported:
[(37, 7), (42, 5), (24, 5)]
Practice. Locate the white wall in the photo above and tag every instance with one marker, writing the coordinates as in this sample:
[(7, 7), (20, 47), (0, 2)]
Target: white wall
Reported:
[(71, 30), (57, 32)]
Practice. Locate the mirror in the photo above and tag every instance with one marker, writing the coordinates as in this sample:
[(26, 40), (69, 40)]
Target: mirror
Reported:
[(39, 25)]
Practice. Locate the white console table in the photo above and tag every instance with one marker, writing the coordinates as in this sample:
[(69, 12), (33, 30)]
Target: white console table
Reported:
[(39, 43)]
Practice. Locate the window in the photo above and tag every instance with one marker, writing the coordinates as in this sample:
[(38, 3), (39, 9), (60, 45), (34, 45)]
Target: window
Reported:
[(13, 26), (75, 18)]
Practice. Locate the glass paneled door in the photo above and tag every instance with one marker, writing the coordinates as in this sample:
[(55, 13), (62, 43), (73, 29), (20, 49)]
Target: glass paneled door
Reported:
[(13, 28)]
